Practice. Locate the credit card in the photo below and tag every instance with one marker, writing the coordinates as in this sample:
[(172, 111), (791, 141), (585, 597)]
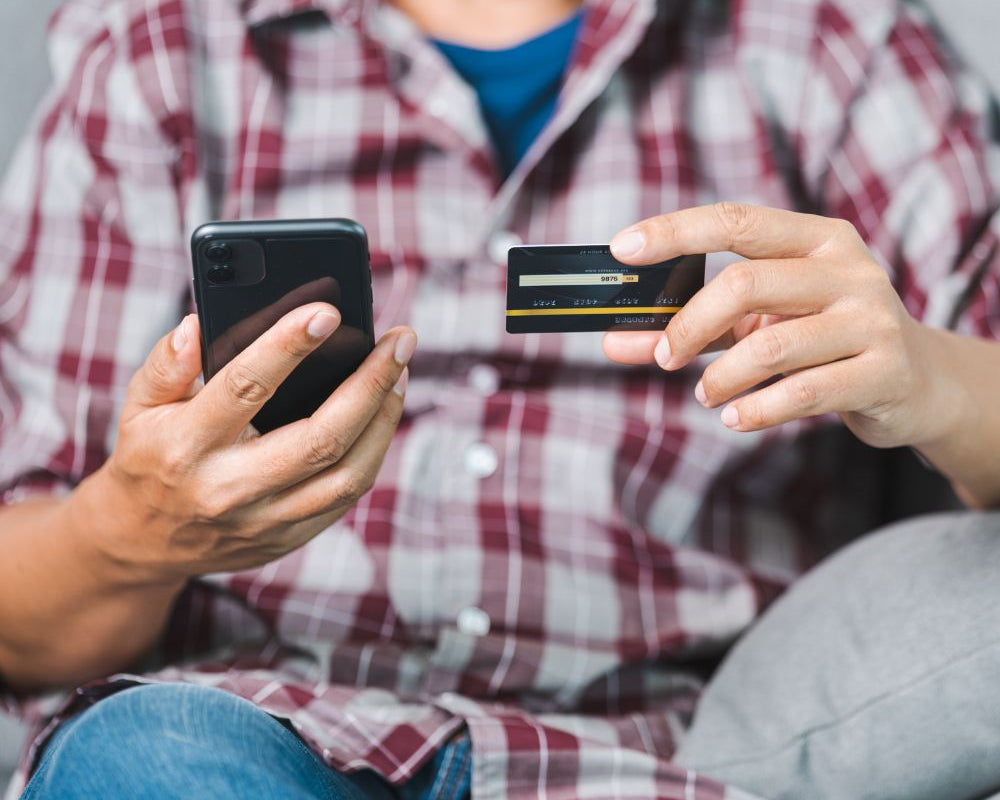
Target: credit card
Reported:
[(576, 288)]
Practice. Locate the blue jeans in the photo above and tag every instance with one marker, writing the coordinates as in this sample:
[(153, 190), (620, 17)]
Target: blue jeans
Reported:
[(169, 741)]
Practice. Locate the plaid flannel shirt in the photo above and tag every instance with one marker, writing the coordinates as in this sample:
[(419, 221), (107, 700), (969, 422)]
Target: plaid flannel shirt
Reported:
[(558, 549)]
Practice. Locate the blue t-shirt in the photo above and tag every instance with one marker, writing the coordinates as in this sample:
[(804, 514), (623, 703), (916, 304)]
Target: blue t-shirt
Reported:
[(517, 87)]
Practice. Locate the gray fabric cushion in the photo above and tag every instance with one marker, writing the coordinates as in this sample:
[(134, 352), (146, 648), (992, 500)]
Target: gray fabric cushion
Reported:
[(876, 677)]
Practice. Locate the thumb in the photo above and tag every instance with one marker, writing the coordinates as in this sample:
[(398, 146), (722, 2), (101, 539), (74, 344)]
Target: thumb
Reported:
[(171, 368)]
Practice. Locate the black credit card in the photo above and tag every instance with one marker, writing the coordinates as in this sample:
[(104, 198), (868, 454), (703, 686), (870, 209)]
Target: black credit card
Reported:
[(576, 288)]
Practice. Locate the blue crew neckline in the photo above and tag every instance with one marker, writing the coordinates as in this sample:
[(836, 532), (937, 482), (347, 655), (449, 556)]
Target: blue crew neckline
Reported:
[(518, 87), (523, 56)]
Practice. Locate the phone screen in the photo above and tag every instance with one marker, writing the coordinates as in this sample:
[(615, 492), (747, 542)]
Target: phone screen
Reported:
[(249, 275)]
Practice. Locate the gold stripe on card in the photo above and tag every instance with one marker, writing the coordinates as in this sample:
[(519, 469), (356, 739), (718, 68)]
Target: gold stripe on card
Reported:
[(564, 312)]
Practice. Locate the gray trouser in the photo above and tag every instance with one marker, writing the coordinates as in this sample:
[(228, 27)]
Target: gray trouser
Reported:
[(876, 676)]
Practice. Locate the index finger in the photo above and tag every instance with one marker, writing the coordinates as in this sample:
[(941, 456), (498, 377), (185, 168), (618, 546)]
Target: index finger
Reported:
[(751, 231), (234, 395), (242, 334)]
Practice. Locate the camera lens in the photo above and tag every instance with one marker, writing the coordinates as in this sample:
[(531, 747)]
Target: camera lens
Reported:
[(221, 274), (219, 253)]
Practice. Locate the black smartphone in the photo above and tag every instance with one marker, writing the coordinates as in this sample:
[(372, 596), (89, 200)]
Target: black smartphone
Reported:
[(247, 275)]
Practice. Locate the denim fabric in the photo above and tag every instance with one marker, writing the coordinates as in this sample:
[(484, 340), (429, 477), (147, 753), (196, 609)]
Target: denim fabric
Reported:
[(447, 777), (167, 742)]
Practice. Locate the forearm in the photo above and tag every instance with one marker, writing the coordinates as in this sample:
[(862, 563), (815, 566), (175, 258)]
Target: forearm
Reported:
[(68, 613), (967, 450)]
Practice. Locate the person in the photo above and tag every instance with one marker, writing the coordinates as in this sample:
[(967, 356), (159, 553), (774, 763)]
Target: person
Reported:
[(525, 594)]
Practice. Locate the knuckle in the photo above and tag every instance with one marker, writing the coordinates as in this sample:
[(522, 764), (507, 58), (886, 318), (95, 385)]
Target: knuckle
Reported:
[(845, 229), (391, 412), (879, 279), (245, 386), (212, 503), (866, 269), (884, 318), (871, 290), (157, 372), (176, 460), (889, 326), (841, 233), (737, 219), (803, 395), (355, 484), (379, 384), (767, 348), (326, 447), (296, 346), (664, 227), (740, 279)]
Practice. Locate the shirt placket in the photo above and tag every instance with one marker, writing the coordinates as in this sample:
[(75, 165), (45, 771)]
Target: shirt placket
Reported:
[(452, 120)]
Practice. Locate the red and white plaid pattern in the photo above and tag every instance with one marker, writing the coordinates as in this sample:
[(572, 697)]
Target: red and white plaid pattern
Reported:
[(557, 549)]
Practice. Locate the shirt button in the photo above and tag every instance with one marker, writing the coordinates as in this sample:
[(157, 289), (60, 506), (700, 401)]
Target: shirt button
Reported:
[(485, 379), (438, 107), (474, 622), (481, 460), (500, 242)]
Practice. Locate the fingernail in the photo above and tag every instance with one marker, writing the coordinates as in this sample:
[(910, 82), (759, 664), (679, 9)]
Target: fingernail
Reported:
[(627, 244), (699, 393), (662, 352), (406, 345), (402, 383), (322, 324), (731, 417), (180, 336)]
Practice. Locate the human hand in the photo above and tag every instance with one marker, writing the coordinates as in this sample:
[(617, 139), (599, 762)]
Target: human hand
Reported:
[(191, 488), (811, 308)]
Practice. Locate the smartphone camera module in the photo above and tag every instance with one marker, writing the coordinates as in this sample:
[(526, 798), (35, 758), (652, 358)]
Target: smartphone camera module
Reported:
[(220, 270), (231, 262), (221, 273), (219, 253)]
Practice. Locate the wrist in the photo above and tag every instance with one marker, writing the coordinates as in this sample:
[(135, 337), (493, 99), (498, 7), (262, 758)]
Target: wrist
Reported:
[(962, 432), (947, 409), (113, 540)]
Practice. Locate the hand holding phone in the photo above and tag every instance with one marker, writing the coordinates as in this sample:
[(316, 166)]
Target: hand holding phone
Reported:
[(191, 488)]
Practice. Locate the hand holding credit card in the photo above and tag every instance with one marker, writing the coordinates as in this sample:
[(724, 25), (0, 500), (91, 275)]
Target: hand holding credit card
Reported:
[(576, 288)]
